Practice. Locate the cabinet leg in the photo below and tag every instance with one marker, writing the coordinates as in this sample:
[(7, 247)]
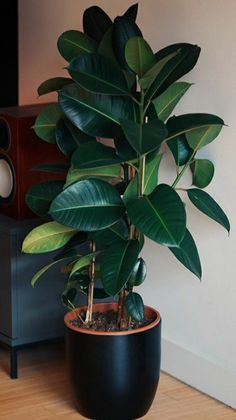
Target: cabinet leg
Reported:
[(13, 363)]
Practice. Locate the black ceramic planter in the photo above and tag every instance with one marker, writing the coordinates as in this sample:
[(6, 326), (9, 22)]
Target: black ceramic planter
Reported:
[(115, 375)]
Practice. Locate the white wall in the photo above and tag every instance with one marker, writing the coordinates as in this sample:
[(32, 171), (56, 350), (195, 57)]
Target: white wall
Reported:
[(198, 318)]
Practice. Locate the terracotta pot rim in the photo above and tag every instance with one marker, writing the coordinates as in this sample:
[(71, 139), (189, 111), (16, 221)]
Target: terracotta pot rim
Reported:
[(110, 305)]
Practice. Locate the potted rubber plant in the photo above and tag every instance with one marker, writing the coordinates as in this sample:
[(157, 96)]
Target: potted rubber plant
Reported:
[(113, 121)]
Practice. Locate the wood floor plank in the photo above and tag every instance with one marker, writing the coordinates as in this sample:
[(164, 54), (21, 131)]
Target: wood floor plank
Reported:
[(42, 392)]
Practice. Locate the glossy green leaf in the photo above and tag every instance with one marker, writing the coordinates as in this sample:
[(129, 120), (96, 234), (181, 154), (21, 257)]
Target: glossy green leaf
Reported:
[(83, 262), (94, 155), (207, 205), (88, 205), (138, 274), (199, 129), (187, 254), (112, 234), (44, 269), (96, 22), (64, 138), (47, 237), (153, 73), (150, 179), (97, 115), (160, 216), (132, 12), (203, 135), (180, 149), (167, 101), (203, 172), (105, 46), (53, 167), (98, 74), (190, 54), (73, 43), (139, 55), (167, 73), (135, 306), (52, 85), (45, 123), (40, 196), (123, 149), (124, 29), (117, 263), (75, 175), (69, 137), (144, 138)]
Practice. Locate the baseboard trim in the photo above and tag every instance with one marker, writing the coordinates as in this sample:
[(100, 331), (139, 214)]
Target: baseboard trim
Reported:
[(200, 373)]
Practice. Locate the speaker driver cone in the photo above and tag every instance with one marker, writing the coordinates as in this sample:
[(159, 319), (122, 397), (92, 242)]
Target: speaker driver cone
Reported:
[(7, 180)]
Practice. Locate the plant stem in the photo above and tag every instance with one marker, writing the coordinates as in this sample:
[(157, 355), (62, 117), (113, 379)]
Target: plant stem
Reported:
[(89, 313), (179, 176)]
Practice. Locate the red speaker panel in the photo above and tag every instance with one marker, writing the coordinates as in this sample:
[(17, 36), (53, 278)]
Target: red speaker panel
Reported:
[(20, 150)]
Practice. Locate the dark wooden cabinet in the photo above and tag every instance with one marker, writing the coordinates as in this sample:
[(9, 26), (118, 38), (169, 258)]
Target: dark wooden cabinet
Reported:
[(27, 314)]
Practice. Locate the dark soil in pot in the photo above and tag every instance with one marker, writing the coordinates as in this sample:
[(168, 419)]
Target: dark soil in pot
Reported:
[(107, 321)]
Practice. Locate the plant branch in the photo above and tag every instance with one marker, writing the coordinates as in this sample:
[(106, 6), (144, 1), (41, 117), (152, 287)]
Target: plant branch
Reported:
[(89, 313)]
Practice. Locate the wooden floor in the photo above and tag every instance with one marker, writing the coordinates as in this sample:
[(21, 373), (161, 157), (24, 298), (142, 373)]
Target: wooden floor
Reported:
[(42, 392)]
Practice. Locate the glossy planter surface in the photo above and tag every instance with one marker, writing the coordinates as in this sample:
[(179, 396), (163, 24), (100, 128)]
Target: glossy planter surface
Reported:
[(114, 375)]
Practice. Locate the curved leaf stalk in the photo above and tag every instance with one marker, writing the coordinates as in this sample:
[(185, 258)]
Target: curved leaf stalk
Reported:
[(181, 173), (89, 313)]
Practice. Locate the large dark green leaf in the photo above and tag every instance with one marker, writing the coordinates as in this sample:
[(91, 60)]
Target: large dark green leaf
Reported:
[(138, 274), (96, 22), (123, 149), (180, 149), (199, 129), (132, 12), (206, 204), (47, 237), (135, 306), (146, 137), (139, 55), (124, 29), (153, 73), (73, 43), (169, 73), (187, 254), (40, 196), (45, 123), (52, 85), (97, 115), (98, 74), (203, 172), (64, 138), (94, 155), (105, 47), (112, 234), (167, 101), (69, 137), (150, 179), (190, 54), (117, 263), (88, 205), (160, 215)]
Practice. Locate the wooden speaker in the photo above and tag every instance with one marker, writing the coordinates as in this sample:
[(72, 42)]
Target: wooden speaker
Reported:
[(20, 150)]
